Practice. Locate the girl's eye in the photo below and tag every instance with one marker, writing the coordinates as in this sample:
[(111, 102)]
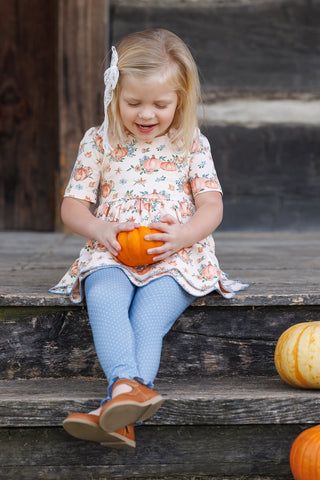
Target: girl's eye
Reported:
[(160, 105), (133, 104)]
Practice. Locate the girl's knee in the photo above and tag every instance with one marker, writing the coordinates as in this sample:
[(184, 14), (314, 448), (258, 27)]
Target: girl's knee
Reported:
[(108, 284)]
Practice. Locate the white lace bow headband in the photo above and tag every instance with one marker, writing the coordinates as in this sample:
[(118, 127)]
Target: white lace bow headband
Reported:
[(111, 76)]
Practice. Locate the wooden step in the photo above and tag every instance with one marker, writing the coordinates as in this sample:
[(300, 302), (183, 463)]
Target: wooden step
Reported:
[(251, 47), (282, 268), (162, 453), (206, 340), (228, 424), (214, 337), (226, 428), (197, 401)]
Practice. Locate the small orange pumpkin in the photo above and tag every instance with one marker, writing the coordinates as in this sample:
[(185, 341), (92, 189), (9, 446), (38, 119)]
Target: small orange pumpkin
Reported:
[(134, 247), (305, 455), (297, 355)]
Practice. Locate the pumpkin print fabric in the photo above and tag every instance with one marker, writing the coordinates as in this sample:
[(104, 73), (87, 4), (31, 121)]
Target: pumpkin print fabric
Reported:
[(142, 182)]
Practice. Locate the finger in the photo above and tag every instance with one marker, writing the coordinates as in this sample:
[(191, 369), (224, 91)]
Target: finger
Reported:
[(163, 256), (114, 247), (168, 219), (155, 237), (162, 227), (126, 226), (113, 251), (155, 251)]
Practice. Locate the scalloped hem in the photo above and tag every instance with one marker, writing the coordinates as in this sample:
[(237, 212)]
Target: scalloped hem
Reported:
[(227, 288)]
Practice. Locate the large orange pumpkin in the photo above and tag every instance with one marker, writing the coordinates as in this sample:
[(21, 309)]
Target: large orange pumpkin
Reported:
[(297, 355), (305, 455), (134, 247)]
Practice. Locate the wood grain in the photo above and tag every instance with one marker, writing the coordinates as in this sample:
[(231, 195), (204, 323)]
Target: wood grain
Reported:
[(239, 452), (210, 341), (282, 268), (198, 401), (242, 48), (83, 46), (260, 170), (28, 114)]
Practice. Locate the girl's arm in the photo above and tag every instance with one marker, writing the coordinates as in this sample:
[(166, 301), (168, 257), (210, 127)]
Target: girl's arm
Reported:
[(175, 235), (76, 215)]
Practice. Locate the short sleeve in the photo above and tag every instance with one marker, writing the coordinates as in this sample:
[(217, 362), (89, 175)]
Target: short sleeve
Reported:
[(85, 177), (202, 172)]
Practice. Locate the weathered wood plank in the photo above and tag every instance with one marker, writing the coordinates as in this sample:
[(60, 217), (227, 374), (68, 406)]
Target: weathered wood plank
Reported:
[(250, 47), (201, 451), (272, 196), (67, 474), (52, 342), (29, 114), (83, 45), (282, 268), (199, 401)]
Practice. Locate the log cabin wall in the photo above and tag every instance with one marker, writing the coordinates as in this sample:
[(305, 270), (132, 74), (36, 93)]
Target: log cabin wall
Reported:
[(51, 89), (260, 70)]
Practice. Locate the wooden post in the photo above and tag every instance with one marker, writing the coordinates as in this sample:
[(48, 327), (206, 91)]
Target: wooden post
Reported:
[(83, 46), (28, 114)]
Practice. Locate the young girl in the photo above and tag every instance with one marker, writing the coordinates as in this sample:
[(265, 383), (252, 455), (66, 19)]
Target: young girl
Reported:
[(148, 164)]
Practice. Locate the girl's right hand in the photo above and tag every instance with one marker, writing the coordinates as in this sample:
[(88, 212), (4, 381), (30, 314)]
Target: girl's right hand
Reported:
[(107, 233), (76, 214)]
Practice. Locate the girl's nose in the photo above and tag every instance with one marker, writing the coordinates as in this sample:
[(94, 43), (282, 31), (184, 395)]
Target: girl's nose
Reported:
[(146, 113)]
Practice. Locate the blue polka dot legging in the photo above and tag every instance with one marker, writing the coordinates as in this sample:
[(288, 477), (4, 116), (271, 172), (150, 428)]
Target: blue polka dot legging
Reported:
[(128, 323)]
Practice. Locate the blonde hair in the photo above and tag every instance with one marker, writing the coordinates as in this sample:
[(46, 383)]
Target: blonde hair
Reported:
[(145, 53)]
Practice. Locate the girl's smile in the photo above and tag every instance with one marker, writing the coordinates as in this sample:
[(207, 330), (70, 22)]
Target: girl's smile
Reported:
[(147, 106)]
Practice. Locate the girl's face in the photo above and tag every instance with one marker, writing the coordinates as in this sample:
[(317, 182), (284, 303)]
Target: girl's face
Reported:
[(147, 106)]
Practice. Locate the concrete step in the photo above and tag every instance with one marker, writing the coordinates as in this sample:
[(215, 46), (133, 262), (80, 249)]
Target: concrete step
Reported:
[(250, 47), (227, 428)]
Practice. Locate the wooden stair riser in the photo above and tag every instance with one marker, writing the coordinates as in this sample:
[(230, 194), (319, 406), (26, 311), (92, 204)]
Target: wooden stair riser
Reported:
[(261, 171), (244, 452), (212, 341), (241, 48)]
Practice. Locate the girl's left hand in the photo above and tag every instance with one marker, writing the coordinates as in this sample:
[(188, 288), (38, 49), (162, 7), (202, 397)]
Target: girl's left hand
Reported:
[(173, 236)]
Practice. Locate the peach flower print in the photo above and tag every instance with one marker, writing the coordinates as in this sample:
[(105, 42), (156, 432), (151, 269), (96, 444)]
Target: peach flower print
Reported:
[(210, 271), (80, 174), (119, 153), (185, 210), (151, 164), (106, 189), (186, 187)]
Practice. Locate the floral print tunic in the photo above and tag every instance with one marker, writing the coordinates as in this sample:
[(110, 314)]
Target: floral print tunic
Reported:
[(142, 182)]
